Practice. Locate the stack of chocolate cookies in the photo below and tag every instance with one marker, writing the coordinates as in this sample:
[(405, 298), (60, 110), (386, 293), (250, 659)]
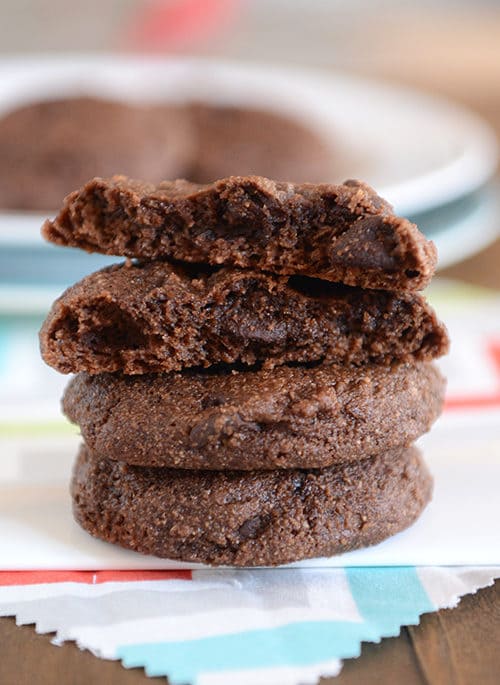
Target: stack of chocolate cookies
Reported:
[(251, 380)]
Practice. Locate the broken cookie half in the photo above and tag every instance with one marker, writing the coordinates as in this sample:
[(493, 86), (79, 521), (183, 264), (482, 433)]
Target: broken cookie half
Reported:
[(344, 233), (159, 317)]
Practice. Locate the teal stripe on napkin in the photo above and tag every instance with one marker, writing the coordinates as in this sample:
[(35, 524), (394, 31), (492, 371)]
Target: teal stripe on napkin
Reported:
[(386, 598), (296, 644)]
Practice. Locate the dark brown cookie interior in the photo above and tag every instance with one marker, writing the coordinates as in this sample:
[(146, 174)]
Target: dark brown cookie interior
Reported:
[(155, 317), (342, 233)]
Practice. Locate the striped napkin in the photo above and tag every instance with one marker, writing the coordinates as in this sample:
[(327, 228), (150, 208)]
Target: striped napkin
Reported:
[(240, 627)]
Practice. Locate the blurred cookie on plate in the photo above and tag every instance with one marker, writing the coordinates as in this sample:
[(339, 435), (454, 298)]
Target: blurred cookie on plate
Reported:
[(47, 149), (236, 141)]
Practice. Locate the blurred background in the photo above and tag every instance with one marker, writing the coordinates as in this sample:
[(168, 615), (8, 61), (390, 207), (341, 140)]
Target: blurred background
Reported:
[(447, 46), (402, 94)]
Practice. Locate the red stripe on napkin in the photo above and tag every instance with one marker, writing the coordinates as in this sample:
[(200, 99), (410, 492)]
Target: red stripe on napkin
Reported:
[(88, 577)]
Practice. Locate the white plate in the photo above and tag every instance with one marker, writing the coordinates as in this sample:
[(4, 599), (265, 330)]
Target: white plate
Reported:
[(464, 227), (418, 151)]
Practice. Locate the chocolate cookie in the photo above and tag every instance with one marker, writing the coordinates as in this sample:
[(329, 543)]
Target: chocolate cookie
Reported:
[(343, 233), (50, 148), (239, 141), (156, 317), (261, 518), (285, 418)]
